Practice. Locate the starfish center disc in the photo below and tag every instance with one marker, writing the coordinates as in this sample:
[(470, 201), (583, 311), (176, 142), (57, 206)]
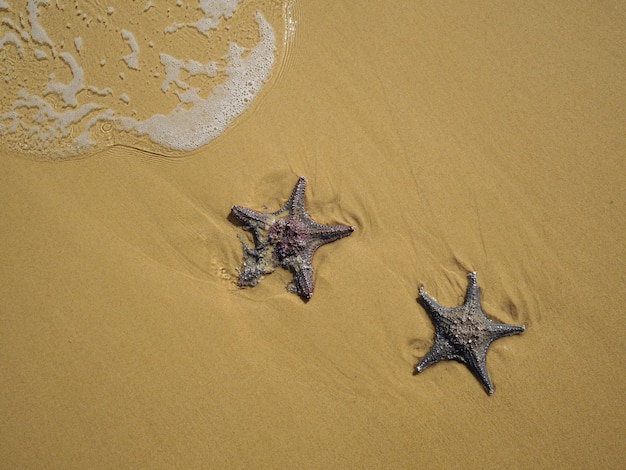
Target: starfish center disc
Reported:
[(464, 332), (288, 237)]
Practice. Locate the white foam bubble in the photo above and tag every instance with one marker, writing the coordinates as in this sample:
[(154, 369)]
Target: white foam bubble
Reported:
[(37, 32), (9, 23), (213, 10), (67, 91), (132, 59), (173, 68), (173, 28), (204, 25), (82, 141), (217, 8), (78, 43), (48, 124), (103, 92), (189, 128), (10, 38)]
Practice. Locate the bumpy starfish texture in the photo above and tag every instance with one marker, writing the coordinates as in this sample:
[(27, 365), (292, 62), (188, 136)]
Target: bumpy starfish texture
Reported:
[(287, 238), (463, 333)]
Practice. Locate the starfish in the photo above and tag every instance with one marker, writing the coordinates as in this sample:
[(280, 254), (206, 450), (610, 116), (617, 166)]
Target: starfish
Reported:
[(463, 333), (287, 238)]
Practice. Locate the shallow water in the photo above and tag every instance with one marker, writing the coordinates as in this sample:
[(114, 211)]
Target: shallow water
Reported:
[(165, 77)]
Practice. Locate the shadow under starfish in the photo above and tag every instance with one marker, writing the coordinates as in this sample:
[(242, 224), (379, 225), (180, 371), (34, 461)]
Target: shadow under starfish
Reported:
[(287, 238), (463, 333)]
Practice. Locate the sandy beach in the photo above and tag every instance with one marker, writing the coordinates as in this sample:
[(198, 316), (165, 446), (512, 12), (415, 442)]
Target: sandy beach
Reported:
[(454, 137)]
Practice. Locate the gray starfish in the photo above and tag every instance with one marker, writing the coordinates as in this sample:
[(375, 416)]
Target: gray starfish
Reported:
[(287, 238), (463, 333)]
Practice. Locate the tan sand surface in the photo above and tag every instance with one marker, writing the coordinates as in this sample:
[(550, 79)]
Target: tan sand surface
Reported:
[(484, 136)]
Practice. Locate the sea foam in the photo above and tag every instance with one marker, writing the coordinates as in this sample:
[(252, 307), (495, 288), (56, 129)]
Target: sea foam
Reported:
[(77, 101)]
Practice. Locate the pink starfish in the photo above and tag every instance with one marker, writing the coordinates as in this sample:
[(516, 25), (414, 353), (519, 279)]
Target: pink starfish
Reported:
[(290, 237)]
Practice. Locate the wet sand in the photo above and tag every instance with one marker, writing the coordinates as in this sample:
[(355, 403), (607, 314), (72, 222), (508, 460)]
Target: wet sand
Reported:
[(455, 138)]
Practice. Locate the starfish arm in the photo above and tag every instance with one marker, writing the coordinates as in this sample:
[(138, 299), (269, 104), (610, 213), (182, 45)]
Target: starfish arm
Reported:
[(427, 301), (441, 350), (498, 330), (295, 203), (322, 234), (475, 362), (303, 282), (472, 296), (433, 308), (252, 218)]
